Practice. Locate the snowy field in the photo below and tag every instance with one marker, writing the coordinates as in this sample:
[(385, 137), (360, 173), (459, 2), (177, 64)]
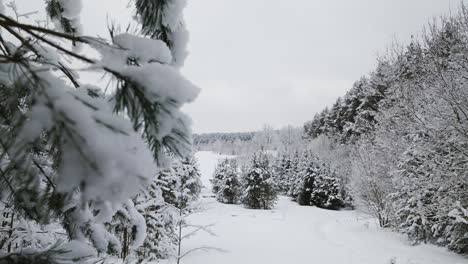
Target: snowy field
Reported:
[(294, 234)]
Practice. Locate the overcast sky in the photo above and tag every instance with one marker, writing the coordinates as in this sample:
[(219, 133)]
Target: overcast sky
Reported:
[(277, 62)]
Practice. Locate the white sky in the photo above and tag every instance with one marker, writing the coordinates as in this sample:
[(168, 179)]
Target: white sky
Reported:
[(279, 62), (276, 62)]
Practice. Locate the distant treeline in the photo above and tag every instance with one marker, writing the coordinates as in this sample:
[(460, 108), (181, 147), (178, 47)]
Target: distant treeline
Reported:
[(244, 143), (207, 138)]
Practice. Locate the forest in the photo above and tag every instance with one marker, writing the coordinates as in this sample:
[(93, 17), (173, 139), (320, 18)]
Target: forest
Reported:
[(107, 169)]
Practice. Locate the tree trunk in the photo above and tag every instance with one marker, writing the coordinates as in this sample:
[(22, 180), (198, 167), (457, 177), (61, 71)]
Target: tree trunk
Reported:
[(125, 244), (10, 232), (180, 237)]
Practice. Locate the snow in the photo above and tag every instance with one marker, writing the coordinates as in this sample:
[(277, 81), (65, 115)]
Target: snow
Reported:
[(71, 8), (47, 53), (207, 161), (158, 82), (143, 48), (163, 82), (174, 13), (71, 11), (294, 234), (2, 7), (74, 250), (173, 19), (125, 162), (140, 224)]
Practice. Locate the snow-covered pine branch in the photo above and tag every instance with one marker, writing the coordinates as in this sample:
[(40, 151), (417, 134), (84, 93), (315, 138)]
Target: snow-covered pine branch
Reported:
[(73, 155)]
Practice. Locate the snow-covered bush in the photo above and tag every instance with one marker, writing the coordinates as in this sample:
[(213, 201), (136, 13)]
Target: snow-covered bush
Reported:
[(258, 187), (74, 155), (226, 182)]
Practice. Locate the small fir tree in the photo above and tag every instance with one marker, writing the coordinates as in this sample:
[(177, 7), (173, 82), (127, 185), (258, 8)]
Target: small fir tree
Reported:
[(259, 188), (226, 183)]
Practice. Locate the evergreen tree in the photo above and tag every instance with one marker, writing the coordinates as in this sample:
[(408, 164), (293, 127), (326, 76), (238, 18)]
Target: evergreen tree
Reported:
[(281, 171), (259, 188), (315, 184), (160, 218), (306, 186), (189, 185), (73, 155), (326, 192), (294, 181), (218, 175), (226, 182)]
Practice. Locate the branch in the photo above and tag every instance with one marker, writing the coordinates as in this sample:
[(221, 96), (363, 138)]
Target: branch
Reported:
[(198, 228), (10, 22), (203, 248)]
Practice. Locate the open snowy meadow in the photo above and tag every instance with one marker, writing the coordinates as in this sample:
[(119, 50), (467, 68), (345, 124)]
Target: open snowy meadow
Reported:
[(291, 233)]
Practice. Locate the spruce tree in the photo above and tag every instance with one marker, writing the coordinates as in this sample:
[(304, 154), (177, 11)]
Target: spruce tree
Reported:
[(281, 171), (160, 217), (226, 182), (308, 175), (258, 185), (314, 183), (326, 192)]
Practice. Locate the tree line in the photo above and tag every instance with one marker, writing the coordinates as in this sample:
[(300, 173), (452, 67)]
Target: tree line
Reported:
[(299, 175), (399, 136)]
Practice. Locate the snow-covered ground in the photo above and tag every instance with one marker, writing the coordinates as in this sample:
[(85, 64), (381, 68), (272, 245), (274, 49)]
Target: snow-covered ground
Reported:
[(207, 161), (294, 234)]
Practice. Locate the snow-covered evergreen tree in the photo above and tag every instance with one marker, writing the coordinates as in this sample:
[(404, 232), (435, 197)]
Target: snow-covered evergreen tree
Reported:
[(314, 183), (73, 155), (160, 218), (258, 185), (326, 193), (188, 187), (281, 170), (218, 175), (179, 186), (306, 184), (293, 174), (226, 182)]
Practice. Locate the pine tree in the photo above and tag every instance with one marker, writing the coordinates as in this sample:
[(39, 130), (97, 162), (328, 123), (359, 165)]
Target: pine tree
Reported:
[(189, 186), (187, 192), (307, 185), (218, 175), (326, 193), (315, 184), (259, 188), (281, 171), (160, 218), (73, 155), (294, 182), (226, 182)]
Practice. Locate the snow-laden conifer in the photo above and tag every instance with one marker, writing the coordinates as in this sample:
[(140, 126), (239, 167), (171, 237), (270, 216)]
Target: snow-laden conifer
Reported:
[(77, 156), (226, 182), (259, 188)]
